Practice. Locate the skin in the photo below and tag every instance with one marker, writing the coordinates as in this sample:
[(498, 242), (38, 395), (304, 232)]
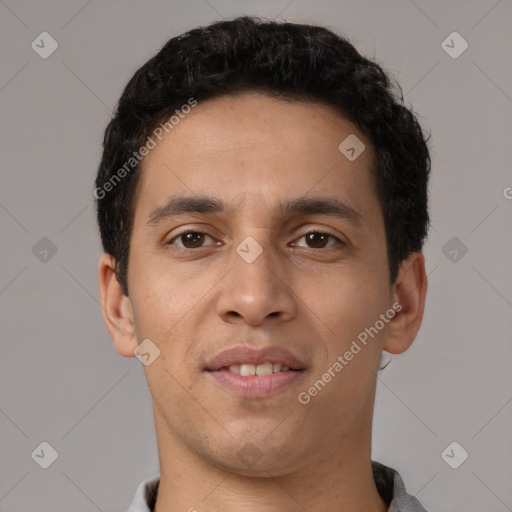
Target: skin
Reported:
[(253, 151)]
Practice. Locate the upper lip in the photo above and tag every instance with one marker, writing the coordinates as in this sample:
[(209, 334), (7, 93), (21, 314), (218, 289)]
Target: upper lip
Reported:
[(249, 355)]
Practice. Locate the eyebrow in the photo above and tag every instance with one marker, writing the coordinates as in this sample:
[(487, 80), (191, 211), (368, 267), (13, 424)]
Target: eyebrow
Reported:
[(328, 206), (183, 204)]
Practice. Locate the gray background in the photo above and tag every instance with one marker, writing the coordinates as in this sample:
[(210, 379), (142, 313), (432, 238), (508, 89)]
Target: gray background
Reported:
[(62, 382)]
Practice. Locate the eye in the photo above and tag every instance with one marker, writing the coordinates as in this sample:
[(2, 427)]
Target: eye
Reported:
[(190, 239), (319, 239)]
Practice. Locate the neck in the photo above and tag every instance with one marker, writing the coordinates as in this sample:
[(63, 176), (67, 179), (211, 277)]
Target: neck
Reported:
[(339, 480)]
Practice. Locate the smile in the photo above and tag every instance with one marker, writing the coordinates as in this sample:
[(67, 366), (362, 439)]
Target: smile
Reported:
[(247, 369)]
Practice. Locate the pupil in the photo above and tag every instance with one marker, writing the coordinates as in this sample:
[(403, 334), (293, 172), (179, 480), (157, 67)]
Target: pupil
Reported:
[(317, 238), (194, 239)]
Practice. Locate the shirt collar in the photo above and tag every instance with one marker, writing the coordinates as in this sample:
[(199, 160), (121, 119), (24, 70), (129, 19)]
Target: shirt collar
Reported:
[(388, 481)]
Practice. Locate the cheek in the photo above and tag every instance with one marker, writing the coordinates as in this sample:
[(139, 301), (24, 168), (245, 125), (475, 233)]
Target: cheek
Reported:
[(162, 305), (346, 299), (345, 307), (169, 309), (161, 296)]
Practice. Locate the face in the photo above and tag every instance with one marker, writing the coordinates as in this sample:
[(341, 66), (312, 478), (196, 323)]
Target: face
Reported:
[(282, 256)]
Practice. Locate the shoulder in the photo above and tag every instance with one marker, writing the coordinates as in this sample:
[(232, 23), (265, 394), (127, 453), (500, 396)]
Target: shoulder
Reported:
[(391, 487)]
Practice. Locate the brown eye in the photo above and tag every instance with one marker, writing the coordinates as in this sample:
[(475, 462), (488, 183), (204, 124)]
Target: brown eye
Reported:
[(190, 239), (319, 240)]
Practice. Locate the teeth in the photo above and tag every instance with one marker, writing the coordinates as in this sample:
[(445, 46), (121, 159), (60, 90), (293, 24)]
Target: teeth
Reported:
[(246, 370), (267, 368), (264, 369), (235, 368)]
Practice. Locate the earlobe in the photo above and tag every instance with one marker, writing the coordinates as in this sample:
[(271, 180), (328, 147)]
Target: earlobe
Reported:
[(410, 290), (117, 310)]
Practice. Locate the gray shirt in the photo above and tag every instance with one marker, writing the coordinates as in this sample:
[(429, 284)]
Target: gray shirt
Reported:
[(389, 484)]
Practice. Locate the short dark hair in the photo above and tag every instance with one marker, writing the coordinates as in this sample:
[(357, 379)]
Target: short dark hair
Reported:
[(293, 61)]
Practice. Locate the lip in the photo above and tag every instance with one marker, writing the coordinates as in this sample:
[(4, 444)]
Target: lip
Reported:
[(249, 355), (254, 386)]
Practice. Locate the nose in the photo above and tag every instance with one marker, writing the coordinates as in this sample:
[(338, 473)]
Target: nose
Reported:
[(256, 293)]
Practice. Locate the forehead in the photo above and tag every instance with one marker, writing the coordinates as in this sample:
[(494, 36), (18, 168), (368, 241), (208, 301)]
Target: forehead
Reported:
[(254, 151)]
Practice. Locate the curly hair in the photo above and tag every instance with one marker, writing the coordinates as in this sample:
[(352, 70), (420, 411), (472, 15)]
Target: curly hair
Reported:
[(293, 61)]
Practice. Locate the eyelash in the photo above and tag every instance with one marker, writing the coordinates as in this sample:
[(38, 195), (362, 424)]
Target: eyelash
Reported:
[(315, 231)]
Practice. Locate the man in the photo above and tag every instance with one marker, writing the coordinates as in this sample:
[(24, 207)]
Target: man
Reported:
[(262, 202)]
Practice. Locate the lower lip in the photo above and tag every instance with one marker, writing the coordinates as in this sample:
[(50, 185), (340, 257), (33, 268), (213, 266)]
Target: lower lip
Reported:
[(255, 386)]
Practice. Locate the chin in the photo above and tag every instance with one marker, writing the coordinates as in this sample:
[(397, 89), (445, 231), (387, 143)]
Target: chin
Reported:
[(268, 465), (258, 457)]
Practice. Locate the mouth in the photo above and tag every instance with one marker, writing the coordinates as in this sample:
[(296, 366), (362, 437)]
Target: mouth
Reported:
[(261, 370), (252, 373)]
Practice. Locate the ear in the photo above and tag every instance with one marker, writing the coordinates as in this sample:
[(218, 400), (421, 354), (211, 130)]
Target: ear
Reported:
[(117, 310), (410, 290)]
